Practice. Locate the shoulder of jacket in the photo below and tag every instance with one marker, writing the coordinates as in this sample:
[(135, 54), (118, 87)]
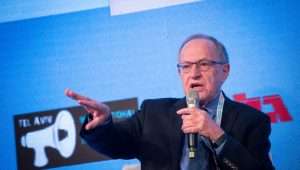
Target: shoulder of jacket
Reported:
[(249, 111)]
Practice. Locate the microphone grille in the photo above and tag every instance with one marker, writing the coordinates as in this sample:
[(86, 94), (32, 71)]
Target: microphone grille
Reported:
[(192, 98)]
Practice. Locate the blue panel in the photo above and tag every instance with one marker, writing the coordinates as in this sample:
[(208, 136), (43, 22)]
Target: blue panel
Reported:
[(110, 58)]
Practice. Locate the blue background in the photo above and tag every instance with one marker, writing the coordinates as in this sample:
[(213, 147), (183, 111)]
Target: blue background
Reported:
[(134, 55)]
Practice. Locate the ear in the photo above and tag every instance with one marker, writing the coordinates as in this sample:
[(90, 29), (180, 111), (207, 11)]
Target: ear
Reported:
[(226, 70)]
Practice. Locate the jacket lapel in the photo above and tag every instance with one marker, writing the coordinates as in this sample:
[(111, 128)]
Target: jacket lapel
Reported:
[(176, 135), (229, 115)]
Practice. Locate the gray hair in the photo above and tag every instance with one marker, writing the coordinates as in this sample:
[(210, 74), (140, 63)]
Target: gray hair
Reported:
[(220, 47)]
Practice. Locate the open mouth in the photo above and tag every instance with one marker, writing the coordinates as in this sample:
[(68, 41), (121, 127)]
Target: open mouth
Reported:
[(196, 85)]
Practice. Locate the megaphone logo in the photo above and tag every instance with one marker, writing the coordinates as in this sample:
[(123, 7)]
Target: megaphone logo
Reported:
[(61, 136)]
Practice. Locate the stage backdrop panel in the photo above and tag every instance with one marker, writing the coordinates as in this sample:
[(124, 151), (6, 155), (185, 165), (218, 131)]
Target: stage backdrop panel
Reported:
[(113, 57)]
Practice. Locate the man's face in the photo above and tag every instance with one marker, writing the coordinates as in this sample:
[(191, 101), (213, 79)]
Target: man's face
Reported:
[(207, 83)]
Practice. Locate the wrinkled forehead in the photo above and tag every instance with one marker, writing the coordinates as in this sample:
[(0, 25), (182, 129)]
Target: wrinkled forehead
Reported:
[(198, 49)]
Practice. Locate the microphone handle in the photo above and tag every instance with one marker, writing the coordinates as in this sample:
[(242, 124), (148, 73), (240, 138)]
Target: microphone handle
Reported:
[(192, 144)]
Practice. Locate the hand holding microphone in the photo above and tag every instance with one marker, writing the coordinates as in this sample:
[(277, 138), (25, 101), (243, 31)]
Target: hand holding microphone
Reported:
[(196, 121)]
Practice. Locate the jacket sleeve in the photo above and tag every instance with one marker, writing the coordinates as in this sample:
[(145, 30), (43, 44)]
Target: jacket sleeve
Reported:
[(118, 140), (253, 153)]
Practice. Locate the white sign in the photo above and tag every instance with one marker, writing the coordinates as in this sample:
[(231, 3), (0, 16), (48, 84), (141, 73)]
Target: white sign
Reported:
[(13, 10), (118, 7)]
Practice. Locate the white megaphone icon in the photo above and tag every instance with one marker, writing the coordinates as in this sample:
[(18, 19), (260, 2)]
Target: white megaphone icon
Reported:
[(49, 137)]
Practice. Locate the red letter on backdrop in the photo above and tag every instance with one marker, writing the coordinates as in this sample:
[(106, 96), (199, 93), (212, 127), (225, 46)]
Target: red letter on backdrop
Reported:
[(279, 113)]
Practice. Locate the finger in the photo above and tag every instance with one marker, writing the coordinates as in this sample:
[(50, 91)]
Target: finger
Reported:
[(186, 117), (94, 123), (75, 96), (89, 104), (189, 130), (89, 110), (184, 111), (191, 111), (186, 125), (94, 107)]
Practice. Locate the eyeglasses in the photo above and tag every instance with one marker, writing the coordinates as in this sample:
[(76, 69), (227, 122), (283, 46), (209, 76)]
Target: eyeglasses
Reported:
[(202, 65)]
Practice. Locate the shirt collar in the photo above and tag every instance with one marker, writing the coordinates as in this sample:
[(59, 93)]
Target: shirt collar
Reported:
[(212, 105)]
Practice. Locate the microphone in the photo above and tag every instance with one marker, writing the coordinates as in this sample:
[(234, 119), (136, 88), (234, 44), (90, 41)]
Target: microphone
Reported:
[(192, 101)]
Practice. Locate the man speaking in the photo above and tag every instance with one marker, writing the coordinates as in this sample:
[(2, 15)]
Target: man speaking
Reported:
[(224, 134)]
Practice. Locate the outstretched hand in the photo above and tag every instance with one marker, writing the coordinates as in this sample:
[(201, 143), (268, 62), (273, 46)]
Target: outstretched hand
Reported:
[(100, 112)]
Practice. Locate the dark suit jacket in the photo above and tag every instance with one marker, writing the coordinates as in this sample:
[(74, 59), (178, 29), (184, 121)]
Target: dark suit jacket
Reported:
[(153, 135)]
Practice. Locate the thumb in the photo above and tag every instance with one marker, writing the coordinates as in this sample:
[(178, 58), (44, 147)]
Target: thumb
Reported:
[(94, 123)]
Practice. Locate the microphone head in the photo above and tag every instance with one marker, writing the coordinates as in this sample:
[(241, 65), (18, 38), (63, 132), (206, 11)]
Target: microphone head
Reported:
[(192, 99)]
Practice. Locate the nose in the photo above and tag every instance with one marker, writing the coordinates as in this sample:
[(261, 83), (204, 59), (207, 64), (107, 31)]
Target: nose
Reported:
[(195, 72)]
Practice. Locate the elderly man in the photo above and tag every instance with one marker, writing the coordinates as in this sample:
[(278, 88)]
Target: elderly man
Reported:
[(230, 135)]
